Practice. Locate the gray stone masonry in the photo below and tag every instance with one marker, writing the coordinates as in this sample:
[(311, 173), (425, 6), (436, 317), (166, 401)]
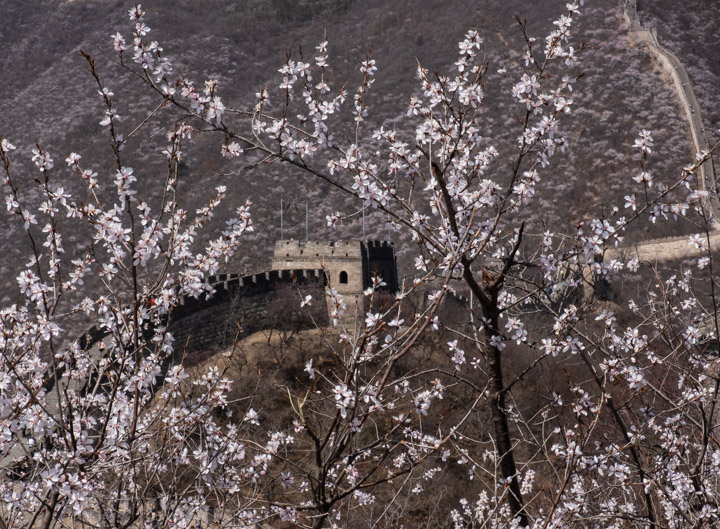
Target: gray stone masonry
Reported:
[(244, 305), (349, 265)]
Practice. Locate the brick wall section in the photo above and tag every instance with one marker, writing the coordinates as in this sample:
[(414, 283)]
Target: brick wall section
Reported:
[(244, 305), (665, 249)]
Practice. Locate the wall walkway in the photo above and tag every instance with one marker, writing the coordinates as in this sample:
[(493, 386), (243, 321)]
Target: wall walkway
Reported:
[(673, 248), (672, 65)]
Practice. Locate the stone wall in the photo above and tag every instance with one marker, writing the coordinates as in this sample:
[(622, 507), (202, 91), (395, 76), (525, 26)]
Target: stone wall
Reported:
[(672, 65), (241, 305), (665, 249), (244, 305)]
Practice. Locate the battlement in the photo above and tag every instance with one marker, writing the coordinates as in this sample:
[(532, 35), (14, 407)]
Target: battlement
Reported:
[(306, 251), (291, 247), (379, 249), (243, 305), (349, 265), (256, 301), (380, 244), (263, 280), (232, 285)]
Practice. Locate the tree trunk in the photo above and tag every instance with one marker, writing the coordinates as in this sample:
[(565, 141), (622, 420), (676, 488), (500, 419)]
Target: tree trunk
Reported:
[(501, 428)]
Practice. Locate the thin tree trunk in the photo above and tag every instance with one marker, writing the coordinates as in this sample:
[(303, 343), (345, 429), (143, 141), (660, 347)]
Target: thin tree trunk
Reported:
[(501, 427)]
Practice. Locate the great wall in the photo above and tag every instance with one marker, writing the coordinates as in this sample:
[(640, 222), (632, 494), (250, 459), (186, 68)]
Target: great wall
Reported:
[(672, 65), (674, 248), (243, 305)]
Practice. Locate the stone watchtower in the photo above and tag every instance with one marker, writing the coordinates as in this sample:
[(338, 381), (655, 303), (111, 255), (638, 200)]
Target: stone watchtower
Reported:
[(349, 265)]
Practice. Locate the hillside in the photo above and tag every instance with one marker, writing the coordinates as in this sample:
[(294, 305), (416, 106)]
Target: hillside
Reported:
[(531, 371), (49, 97)]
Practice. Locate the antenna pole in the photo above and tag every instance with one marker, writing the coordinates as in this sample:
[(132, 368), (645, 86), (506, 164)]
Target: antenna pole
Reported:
[(281, 219), (472, 315), (307, 224)]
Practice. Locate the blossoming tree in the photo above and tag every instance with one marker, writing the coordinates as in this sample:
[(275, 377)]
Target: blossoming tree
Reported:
[(113, 431)]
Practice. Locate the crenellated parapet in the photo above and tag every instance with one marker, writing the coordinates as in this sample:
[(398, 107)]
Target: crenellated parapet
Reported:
[(243, 305), (316, 251), (240, 306)]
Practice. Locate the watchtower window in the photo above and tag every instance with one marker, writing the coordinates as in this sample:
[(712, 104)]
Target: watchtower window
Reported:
[(343, 277)]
